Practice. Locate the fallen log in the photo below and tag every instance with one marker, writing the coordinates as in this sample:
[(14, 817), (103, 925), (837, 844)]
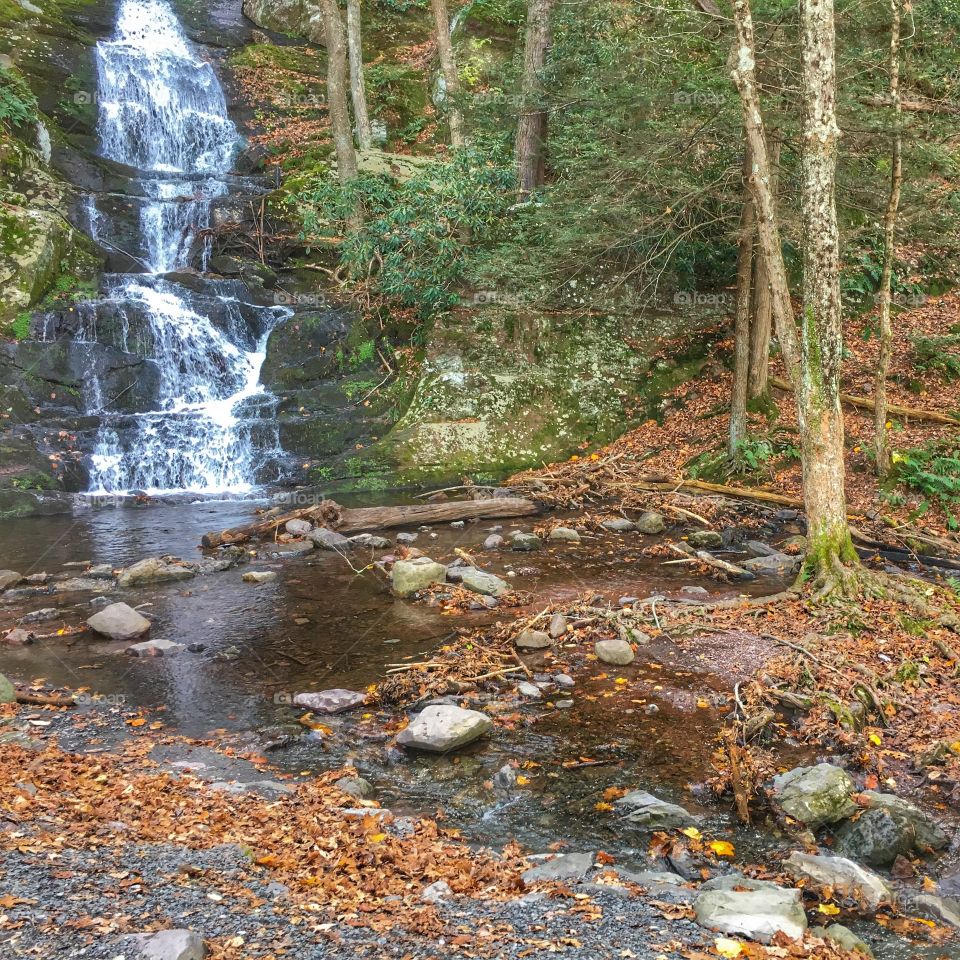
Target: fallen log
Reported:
[(354, 520), (655, 484), (44, 699), (865, 403)]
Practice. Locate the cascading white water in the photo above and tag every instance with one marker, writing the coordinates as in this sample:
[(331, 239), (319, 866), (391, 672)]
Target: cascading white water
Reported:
[(163, 112)]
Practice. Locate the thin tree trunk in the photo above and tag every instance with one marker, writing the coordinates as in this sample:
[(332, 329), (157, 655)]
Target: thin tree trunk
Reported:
[(812, 354), (448, 66), (821, 419), (337, 91), (882, 445), (532, 127), (761, 324), (358, 87), (741, 335)]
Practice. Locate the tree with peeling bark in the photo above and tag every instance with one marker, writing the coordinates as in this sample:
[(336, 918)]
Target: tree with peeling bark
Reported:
[(881, 441), (358, 87), (813, 350), (448, 67), (531, 144), (741, 333)]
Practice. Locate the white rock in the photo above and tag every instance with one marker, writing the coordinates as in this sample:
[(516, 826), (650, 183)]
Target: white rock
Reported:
[(842, 876), (441, 728), (259, 576), (155, 648), (119, 622), (330, 701), (758, 914), (171, 945)]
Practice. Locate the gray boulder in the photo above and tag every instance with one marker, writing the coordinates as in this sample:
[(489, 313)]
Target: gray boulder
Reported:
[(533, 640), (119, 622), (7, 692), (778, 565), (930, 835), (705, 540), (570, 866), (757, 914), (841, 876), (324, 539), (651, 523), (412, 576), (642, 809), (616, 652), (331, 701), (442, 728), (155, 648), (170, 945), (259, 576), (298, 528), (407, 538), (155, 570), (619, 525), (941, 909), (565, 533), (480, 581), (525, 542), (355, 787), (845, 937), (876, 837), (369, 541), (9, 578), (815, 795), (493, 542)]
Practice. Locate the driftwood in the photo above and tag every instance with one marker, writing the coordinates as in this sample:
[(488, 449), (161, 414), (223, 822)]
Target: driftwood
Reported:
[(44, 699), (865, 403), (347, 520), (661, 485)]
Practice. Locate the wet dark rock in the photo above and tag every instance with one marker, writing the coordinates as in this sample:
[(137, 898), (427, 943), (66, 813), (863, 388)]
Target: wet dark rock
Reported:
[(816, 796), (119, 622), (355, 787), (757, 548), (949, 885), (840, 875), (942, 909), (525, 542), (570, 866), (846, 938), (889, 828), (642, 809), (505, 777), (331, 701)]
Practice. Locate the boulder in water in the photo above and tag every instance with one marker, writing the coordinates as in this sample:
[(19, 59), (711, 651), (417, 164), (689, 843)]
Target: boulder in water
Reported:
[(816, 795), (757, 914), (616, 652), (119, 622), (533, 640), (839, 875), (9, 578), (412, 576), (480, 581), (155, 570), (642, 809), (565, 533), (651, 523), (331, 701), (444, 727)]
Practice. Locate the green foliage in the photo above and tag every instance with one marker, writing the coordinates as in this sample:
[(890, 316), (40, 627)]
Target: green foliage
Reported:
[(861, 276), (934, 472), (20, 328), (937, 354), (754, 458), (401, 6), (411, 243), (18, 105)]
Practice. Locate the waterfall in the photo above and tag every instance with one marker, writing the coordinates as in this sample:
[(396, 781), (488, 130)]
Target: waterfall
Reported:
[(163, 113)]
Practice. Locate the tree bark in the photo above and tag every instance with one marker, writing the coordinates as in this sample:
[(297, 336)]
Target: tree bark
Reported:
[(881, 440), (813, 353), (761, 323), (532, 126), (741, 333), (448, 67), (358, 87), (337, 91)]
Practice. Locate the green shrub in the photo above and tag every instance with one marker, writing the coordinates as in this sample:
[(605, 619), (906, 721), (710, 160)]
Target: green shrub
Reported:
[(937, 355), (18, 105), (934, 472)]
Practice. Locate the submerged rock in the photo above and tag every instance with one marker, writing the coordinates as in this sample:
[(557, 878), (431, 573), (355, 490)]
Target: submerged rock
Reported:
[(331, 701), (705, 540), (815, 795), (355, 787), (155, 570), (758, 914), (119, 622), (411, 576), (170, 945), (442, 728), (841, 876), (616, 652), (259, 576), (643, 809), (155, 648)]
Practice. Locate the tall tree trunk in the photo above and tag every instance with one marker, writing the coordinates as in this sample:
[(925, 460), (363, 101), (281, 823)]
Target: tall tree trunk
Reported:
[(812, 354), (358, 87), (532, 126), (337, 91), (741, 330), (881, 442), (761, 324), (821, 419), (448, 66)]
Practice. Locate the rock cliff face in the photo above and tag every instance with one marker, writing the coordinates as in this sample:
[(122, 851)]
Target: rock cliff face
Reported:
[(298, 18)]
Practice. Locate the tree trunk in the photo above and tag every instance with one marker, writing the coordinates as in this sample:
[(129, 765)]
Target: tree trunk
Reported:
[(811, 355), (741, 334), (532, 126), (337, 91), (448, 66), (358, 87), (881, 441), (821, 419), (760, 326)]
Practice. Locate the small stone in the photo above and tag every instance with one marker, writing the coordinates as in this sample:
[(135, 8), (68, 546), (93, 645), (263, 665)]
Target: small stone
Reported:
[(643, 809), (570, 866), (529, 690), (533, 640), (436, 892), (18, 637), (616, 652), (705, 540), (259, 576), (651, 523), (493, 542), (558, 626), (458, 524), (564, 681), (102, 571), (650, 709), (442, 728), (412, 576), (936, 908), (355, 787), (619, 525), (324, 539), (298, 528), (480, 581), (758, 914), (505, 777), (368, 541), (287, 551), (816, 795), (330, 701), (525, 542), (565, 533), (41, 616), (9, 578), (838, 933), (407, 538), (155, 648), (119, 622), (170, 945)]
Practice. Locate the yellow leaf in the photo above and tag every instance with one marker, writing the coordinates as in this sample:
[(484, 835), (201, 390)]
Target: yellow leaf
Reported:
[(137, 722), (522, 781), (603, 807), (621, 680), (378, 838), (830, 909), (722, 848), (692, 832), (875, 739), (728, 948)]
